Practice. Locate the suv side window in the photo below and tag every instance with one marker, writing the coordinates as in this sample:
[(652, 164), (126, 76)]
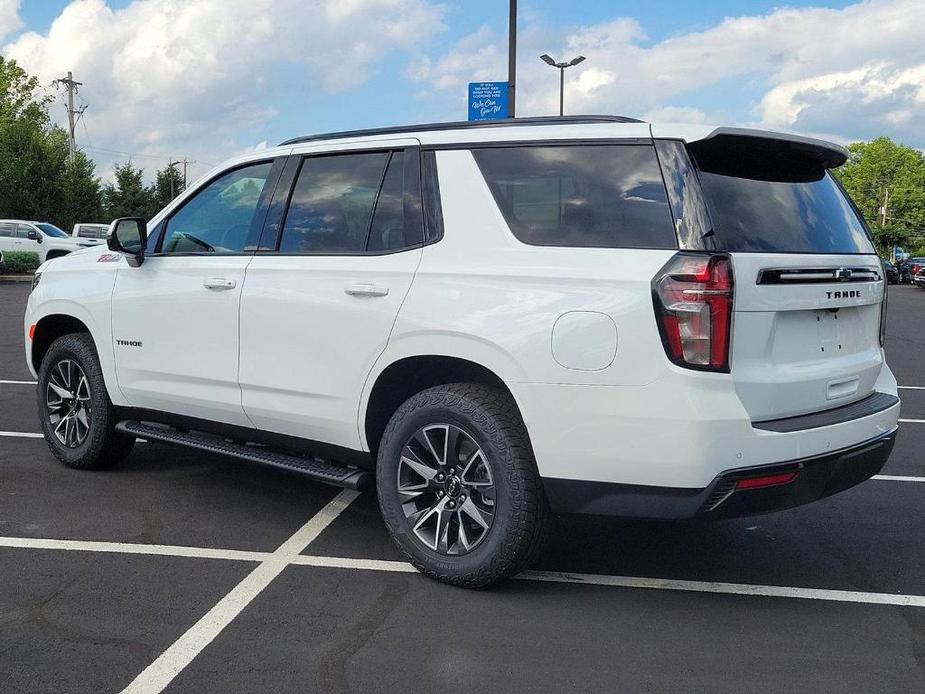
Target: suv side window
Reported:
[(604, 196), (220, 217), (332, 203), (22, 230), (7, 229)]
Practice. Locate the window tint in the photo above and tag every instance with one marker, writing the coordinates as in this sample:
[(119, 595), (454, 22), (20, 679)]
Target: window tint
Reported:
[(387, 232), (220, 217), (332, 203), (609, 196), (7, 229), (783, 216), (430, 184), (22, 231), (51, 230)]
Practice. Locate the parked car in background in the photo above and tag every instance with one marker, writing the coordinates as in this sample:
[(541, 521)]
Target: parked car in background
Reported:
[(37, 237), (891, 272), (2, 264), (909, 267), (918, 279), (94, 234)]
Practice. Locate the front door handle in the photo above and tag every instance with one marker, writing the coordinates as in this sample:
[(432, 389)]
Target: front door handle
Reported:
[(363, 289), (218, 283)]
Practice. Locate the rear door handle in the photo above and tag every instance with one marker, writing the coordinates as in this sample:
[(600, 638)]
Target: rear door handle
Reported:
[(218, 283), (363, 289)]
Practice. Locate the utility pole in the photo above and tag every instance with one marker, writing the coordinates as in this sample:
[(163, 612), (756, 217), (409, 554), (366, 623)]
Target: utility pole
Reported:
[(170, 165), (73, 115), (511, 58), (885, 208)]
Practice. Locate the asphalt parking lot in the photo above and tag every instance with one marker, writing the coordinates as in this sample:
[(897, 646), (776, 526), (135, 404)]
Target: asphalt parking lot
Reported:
[(182, 571)]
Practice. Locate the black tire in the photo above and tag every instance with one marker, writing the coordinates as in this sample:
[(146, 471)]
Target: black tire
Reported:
[(102, 446), (520, 512)]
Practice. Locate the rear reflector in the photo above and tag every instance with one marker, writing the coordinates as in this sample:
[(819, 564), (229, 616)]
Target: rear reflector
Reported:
[(765, 480), (32, 331)]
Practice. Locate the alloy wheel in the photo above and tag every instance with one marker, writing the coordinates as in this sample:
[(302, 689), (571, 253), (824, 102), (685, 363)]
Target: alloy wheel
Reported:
[(67, 399), (446, 489)]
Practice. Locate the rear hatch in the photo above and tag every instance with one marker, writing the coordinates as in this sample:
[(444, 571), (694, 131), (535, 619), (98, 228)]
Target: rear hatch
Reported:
[(808, 282)]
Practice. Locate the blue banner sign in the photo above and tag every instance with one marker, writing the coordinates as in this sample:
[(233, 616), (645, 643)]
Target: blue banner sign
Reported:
[(487, 100)]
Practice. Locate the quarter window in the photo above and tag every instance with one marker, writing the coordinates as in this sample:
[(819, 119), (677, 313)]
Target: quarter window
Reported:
[(220, 217), (609, 196), (332, 203)]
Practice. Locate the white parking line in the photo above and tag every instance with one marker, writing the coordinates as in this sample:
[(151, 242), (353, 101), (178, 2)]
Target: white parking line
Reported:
[(21, 434), (134, 548), (729, 588), (911, 387), (912, 421), (171, 662), (898, 478), (649, 583), (175, 658), (19, 383)]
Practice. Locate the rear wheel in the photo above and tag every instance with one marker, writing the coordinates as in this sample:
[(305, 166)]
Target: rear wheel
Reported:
[(76, 414), (458, 485)]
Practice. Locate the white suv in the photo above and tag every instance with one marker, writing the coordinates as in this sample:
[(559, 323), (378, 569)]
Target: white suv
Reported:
[(494, 321), (42, 238)]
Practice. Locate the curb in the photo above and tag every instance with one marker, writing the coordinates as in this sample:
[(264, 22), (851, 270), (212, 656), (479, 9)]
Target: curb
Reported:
[(15, 278)]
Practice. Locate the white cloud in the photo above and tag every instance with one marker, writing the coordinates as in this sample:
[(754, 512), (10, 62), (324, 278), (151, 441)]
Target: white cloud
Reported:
[(191, 77), (814, 68), (9, 17)]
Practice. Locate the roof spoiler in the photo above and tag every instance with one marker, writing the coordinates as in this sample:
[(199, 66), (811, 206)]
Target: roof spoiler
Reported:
[(827, 154)]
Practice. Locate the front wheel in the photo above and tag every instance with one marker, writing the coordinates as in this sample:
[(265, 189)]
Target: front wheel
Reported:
[(458, 485), (77, 416)]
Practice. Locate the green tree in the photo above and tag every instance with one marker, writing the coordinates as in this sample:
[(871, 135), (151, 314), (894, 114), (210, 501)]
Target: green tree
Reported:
[(168, 184), (127, 195), (32, 156), (81, 193), (882, 168)]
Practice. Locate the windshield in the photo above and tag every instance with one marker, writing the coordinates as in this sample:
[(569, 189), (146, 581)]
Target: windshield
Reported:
[(763, 200), (51, 230)]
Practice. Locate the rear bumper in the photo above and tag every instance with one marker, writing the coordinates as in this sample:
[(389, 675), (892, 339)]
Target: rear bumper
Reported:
[(815, 478)]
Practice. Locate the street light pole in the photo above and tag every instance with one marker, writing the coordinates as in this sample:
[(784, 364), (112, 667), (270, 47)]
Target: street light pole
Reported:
[(546, 58)]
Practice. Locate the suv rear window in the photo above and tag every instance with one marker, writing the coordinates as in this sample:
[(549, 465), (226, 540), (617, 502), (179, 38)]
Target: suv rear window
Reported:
[(773, 201), (605, 196)]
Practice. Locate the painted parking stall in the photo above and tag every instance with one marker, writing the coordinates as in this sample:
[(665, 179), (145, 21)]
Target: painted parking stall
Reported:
[(183, 571)]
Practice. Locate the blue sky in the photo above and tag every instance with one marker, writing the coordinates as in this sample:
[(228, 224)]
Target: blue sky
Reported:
[(215, 77)]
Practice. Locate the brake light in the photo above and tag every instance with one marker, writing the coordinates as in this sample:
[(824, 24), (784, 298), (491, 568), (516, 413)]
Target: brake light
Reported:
[(883, 306), (916, 268), (693, 296)]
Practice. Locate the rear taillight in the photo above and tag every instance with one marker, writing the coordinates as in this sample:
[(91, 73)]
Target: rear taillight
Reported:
[(883, 304), (916, 269), (693, 305)]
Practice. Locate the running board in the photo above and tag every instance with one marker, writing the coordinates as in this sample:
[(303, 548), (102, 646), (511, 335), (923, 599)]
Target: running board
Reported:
[(313, 468)]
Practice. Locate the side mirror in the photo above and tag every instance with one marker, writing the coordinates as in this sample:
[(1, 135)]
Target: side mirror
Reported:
[(129, 236), (33, 235)]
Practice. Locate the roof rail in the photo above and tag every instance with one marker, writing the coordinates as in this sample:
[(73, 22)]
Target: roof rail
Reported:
[(457, 125)]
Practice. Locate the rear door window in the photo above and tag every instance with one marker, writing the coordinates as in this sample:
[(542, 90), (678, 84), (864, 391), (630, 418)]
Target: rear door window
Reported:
[(775, 201), (605, 196), (332, 203)]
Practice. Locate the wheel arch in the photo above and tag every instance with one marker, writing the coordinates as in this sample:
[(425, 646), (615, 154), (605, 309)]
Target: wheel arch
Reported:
[(55, 253), (48, 329), (410, 374)]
